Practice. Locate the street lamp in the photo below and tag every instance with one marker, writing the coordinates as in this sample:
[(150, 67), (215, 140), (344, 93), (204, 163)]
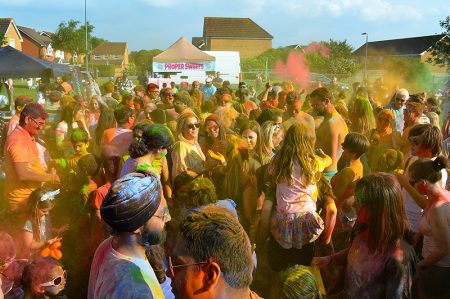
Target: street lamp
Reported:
[(85, 27), (365, 60)]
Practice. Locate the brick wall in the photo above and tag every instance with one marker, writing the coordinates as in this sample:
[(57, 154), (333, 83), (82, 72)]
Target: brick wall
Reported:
[(246, 47), (30, 48)]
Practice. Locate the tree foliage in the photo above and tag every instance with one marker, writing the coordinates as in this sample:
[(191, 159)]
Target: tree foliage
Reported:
[(2, 39), (338, 62), (71, 37), (143, 59), (441, 50)]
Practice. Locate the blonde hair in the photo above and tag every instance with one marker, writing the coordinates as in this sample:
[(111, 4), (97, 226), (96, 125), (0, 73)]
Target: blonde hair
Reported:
[(268, 130), (298, 146)]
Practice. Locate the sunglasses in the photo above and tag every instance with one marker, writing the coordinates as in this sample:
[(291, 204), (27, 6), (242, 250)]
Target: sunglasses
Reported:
[(192, 126), (39, 124), (212, 128), (55, 282), (172, 266), (169, 94)]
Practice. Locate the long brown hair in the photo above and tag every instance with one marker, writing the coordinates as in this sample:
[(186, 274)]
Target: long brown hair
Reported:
[(298, 146), (380, 193), (34, 205)]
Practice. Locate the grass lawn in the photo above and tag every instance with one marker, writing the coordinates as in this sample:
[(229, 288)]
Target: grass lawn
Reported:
[(21, 89)]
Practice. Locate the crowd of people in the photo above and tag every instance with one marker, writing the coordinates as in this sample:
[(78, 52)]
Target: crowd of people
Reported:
[(203, 191)]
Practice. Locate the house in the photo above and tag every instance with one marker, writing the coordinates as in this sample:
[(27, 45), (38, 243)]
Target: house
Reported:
[(413, 47), (233, 34), (115, 53), (12, 34), (39, 45)]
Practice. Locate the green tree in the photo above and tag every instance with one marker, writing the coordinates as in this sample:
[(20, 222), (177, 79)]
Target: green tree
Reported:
[(340, 60), (71, 37), (143, 59), (2, 39), (441, 50)]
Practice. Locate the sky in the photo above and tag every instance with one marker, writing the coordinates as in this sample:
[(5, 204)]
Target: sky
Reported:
[(156, 24)]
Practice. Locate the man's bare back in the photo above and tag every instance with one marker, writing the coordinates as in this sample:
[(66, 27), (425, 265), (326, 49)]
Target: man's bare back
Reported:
[(329, 137)]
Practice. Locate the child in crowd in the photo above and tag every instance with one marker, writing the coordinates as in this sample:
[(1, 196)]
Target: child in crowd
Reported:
[(44, 278), (80, 144), (344, 182), (38, 231)]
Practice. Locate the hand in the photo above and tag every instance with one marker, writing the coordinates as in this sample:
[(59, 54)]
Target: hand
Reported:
[(217, 156), (401, 179), (51, 241), (321, 262), (268, 85)]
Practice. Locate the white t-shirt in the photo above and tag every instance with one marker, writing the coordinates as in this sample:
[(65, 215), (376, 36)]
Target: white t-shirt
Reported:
[(413, 211), (116, 276)]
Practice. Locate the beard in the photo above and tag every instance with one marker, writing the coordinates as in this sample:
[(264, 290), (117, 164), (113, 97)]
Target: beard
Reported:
[(148, 237)]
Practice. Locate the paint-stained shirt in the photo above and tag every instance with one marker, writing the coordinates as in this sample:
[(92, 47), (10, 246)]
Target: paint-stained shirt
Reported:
[(116, 276)]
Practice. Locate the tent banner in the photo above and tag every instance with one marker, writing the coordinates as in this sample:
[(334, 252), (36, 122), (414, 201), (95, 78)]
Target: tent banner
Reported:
[(171, 67)]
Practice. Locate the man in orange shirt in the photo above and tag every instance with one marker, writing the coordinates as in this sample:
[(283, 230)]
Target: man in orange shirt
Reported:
[(115, 141), (23, 169)]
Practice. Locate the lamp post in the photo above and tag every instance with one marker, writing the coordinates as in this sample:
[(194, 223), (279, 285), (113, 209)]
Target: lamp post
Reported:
[(365, 60), (85, 27)]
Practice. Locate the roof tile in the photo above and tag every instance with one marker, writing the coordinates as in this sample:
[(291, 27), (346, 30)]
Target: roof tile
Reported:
[(110, 48), (233, 28), (402, 46)]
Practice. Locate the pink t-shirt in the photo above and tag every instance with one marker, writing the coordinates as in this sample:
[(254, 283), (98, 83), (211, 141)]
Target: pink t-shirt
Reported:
[(298, 197)]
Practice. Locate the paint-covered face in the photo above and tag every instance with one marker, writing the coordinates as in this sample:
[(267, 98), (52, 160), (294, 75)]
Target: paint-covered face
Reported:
[(251, 138), (33, 126), (417, 147), (400, 101), (95, 105), (179, 106), (80, 148), (318, 106), (212, 129), (277, 138), (187, 281)]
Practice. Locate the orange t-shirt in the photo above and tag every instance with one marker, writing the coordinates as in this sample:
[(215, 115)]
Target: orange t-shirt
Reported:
[(20, 147)]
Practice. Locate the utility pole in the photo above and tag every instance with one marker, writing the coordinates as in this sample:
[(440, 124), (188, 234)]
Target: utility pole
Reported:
[(365, 60)]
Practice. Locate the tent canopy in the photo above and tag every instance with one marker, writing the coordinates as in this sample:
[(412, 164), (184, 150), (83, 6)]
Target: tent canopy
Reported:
[(15, 64), (183, 51)]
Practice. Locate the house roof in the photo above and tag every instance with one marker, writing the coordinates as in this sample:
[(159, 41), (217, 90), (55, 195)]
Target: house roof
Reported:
[(4, 25), (183, 51), (110, 48), (233, 28), (411, 46), (41, 40)]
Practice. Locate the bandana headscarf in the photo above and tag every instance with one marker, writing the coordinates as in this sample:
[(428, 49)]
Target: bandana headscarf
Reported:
[(131, 201)]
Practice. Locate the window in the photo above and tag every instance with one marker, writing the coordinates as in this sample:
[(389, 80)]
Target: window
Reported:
[(97, 57), (105, 57), (117, 57), (12, 42)]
